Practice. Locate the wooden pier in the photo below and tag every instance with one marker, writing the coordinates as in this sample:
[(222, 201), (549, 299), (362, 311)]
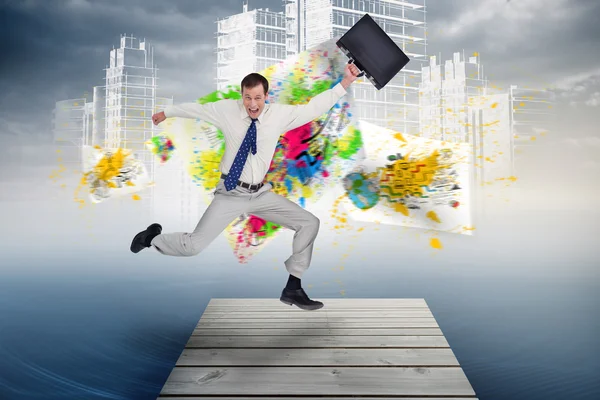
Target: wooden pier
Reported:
[(367, 348)]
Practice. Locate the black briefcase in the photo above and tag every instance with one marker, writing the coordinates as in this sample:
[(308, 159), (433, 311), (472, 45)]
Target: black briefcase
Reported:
[(374, 53)]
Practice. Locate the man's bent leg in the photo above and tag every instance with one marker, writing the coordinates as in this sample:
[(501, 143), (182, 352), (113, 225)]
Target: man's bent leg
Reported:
[(279, 210), (224, 209)]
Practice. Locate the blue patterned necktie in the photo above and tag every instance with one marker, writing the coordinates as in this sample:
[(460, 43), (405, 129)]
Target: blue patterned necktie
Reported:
[(248, 144)]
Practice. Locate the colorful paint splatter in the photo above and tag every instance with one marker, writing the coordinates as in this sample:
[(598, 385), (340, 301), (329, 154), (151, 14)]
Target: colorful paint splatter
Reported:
[(110, 173), (307, 160), (162, 146), (425, 183)]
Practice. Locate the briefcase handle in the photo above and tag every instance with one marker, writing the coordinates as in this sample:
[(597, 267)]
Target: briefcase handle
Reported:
[(351, 61)]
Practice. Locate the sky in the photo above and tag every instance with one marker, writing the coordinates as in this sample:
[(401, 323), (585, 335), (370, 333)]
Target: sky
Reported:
[(545, 232), (56, 50)]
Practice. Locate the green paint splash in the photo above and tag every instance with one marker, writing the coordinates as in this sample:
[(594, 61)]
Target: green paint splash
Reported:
[(299, 93), (270, 228), (230, 92), (348, 145)]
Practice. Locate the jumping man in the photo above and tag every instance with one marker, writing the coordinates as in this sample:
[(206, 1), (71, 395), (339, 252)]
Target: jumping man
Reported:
[(251, 129)]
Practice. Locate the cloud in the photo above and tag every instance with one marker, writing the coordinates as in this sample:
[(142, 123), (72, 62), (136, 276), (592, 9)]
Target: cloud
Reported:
[(587, 141), (500, 12), (529, 43), (591, 164), (504, 21), (580, 89), (58, 50), (577, 82), (594, 100)]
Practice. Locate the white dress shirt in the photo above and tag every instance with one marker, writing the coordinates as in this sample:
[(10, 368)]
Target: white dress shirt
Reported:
[(231, 118)]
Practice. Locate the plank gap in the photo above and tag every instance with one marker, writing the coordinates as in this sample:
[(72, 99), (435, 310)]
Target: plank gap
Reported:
[(316, 397), (324, 347), (315, 366), (304, 335)]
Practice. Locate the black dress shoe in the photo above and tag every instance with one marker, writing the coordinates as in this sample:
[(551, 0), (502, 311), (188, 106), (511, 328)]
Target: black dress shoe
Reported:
[(300, 299), (143, 239)]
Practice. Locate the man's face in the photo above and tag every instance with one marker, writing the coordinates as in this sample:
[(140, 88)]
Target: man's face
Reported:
[(254, 100)]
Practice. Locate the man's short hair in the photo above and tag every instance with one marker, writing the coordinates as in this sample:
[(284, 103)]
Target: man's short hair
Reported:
[(253, 80)]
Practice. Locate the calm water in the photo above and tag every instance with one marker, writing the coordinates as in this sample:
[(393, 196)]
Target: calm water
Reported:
[(103, 324)]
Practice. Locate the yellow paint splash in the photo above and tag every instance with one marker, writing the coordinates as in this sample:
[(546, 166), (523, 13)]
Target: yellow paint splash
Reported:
[(339, 215), (433, 216), (344, 142), (401, 208), (399, 137), (408, 176), (307, 192), (435, 243), (110, 165), (510, 178), (492, 123), (206, 168)]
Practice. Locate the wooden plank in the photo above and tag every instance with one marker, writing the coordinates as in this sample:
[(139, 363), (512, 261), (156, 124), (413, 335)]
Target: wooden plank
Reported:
[(335, 305), (317, 357), (327, 307), (316, 341), (337, 301), (351, 348), (316, 315), (398, 381), (314, 398), (316, 332), (290, 309), (338, 323), (320, 319)]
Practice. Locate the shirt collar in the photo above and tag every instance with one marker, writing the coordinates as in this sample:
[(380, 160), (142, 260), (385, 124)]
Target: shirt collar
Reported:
[(244, 114)]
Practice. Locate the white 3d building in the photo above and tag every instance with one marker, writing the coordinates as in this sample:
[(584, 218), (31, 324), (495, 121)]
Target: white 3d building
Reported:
[(120, 116), (307, 23), (311, 22), (457, 105), (72, 120), (249, 42)]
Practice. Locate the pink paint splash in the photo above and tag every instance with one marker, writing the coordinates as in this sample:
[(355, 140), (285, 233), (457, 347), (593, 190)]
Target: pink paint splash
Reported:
[(256, 224), (293, 140)]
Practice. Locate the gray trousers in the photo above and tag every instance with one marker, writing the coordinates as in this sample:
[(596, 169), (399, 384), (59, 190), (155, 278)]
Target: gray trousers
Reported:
[(227, 206)]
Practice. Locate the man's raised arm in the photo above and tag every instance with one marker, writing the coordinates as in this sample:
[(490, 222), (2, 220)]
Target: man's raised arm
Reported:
[(298, 115), (209, 112)]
